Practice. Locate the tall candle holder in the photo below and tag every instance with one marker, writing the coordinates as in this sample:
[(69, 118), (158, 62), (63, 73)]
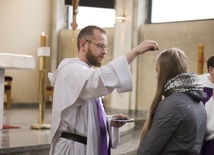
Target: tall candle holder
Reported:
[(200, 58), (43, 52), (74, 24)]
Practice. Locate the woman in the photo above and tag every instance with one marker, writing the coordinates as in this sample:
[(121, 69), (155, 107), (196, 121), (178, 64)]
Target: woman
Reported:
[(176, 124)]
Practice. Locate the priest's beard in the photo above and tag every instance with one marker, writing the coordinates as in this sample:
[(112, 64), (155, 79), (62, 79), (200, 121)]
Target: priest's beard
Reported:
[(92, 59)]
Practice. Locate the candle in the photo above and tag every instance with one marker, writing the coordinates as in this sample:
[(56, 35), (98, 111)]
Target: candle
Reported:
[(200, 58), (43, 40)]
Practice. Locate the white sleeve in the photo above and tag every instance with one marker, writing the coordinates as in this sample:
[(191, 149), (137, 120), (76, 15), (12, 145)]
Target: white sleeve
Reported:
[(102, 81), (209, 106), (114, 134)]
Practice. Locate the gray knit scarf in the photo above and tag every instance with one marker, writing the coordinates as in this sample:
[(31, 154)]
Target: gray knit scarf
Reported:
[(183, 83)]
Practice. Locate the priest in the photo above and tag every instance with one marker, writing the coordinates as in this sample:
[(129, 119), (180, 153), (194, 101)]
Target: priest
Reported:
[(80, 125)]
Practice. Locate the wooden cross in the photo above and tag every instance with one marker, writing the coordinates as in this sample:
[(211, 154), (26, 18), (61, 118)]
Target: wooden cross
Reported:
[(75, 4)]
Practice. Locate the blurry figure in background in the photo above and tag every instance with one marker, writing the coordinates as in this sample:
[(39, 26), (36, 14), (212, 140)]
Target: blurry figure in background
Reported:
[(208, 81), (176, 123)]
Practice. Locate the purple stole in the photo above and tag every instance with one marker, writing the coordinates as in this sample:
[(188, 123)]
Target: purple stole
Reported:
[(209, 92), (104, 147)]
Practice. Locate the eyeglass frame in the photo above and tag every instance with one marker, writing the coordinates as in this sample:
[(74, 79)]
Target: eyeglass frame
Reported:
[(98, 45)]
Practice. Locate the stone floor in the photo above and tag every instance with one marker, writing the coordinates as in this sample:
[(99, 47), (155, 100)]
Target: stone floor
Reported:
[(27, 141)]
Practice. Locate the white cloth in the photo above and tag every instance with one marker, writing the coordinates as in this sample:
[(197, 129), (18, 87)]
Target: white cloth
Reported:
[(209, 106), (76, 86)]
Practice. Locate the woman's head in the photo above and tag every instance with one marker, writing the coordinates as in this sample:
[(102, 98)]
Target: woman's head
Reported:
[(169, 64)]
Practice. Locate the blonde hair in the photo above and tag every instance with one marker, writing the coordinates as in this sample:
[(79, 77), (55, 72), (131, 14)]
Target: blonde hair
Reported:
[(171, 62)]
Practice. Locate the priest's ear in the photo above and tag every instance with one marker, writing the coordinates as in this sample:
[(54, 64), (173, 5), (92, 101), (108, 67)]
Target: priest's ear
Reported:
[(83, 44)]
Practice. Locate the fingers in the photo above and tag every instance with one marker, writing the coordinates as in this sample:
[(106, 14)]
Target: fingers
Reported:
[(156, 46), (147, 45), (120, 116), (117, 124), (120, 124), (123, 116), (153, 45)]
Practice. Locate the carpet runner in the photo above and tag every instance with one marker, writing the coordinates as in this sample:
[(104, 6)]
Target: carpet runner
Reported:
[(10, 127)]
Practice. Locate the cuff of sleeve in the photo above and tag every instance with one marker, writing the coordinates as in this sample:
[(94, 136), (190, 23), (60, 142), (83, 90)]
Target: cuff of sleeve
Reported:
[(113, 133)]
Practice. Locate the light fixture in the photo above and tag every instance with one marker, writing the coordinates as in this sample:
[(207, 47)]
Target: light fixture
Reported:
[(120, 18)]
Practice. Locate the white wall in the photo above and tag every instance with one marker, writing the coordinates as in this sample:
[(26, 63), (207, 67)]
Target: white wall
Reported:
[(22, 22), (183, 35)]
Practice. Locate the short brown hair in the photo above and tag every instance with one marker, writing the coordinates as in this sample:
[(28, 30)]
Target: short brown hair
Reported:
[(210, 62), (88, 33)]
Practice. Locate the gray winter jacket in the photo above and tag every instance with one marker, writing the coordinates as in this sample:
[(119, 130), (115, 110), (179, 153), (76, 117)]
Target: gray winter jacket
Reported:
[(178, 126)]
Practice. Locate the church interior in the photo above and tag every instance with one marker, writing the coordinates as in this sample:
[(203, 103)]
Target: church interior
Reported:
[(26, 57)]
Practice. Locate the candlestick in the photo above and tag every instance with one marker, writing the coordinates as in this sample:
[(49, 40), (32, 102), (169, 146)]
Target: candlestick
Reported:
[(200, 58), (42, 52), (74, 24)]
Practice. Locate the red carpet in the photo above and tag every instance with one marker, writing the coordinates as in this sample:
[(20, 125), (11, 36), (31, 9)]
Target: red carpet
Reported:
[(10, 127)]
